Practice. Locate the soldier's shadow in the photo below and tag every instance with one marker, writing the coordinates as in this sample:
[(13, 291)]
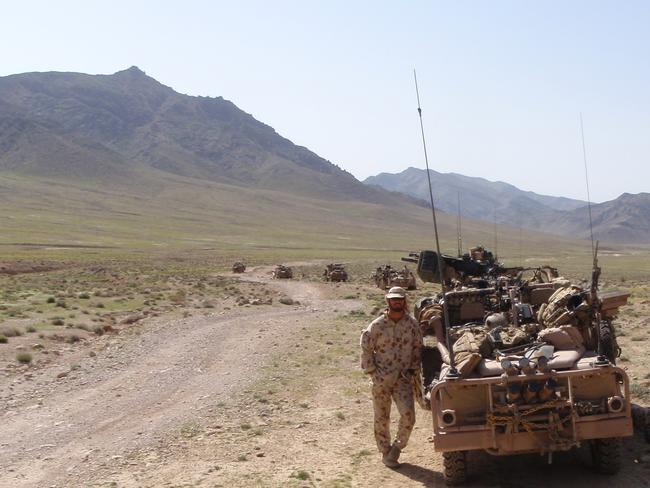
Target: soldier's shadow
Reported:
[(428, 477)]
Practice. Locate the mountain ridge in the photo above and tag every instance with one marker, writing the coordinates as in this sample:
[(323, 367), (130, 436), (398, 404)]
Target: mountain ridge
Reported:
[(142, 122), (131, 134), (625, 219)]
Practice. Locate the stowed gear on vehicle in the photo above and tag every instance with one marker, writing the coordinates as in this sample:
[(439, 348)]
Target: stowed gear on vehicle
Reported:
[(531, 367)]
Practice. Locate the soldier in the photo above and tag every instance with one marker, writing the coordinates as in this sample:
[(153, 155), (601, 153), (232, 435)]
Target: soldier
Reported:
[(391, 351)]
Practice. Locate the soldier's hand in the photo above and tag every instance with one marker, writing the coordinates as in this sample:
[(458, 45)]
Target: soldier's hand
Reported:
[(372, 377), (408, 373)]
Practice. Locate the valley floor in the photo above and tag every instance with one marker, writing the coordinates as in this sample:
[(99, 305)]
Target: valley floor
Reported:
[(255, 395)]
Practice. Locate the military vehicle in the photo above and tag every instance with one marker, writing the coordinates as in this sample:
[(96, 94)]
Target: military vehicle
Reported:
[(335, 272), (531, 367), (385, 277), (283, 272), (238, 267)]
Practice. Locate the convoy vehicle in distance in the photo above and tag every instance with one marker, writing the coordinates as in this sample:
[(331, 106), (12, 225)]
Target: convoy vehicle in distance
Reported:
[(238, 267), (386, 277), (282, 272), (335, 272)]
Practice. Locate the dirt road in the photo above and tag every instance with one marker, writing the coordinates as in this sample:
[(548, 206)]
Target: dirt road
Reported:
[(180, 403), (60, 431)]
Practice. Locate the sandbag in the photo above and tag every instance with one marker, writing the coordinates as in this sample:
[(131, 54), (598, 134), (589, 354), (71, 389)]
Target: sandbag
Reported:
[(513, 336), (431, 318), (471, 341), (562, 338), (575, 334), (469, 364), (464, 367)]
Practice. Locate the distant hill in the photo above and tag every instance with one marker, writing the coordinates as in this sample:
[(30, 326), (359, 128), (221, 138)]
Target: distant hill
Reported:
[(625, 219), (479, 198), (104, 127), (123, 160)]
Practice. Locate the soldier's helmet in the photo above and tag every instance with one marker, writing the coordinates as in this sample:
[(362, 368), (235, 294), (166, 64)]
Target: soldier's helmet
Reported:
[(396, 292)]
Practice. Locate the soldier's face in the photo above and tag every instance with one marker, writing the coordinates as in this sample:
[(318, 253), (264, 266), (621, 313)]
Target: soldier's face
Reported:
[(396, 304)]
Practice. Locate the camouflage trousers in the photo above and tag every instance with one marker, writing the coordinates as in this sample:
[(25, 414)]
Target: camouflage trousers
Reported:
[(401, 392)]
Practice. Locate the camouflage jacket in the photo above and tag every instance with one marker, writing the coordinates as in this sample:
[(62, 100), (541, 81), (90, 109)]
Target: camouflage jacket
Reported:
[(390, 348)]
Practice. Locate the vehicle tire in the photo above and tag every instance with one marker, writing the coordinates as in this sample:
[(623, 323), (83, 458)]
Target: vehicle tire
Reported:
[(455, 467), (608, 344), (646, 432), (606, 455)]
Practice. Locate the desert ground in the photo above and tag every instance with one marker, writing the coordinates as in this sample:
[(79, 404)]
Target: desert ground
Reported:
[(176, 372)]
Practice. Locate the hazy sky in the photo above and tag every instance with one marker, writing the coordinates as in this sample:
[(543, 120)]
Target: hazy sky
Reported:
[(502, 82)]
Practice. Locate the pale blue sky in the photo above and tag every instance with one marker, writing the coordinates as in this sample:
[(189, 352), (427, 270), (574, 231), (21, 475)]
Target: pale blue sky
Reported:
[(502, 82)]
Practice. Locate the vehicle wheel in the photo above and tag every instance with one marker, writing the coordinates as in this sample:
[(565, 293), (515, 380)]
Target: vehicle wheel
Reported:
[(606, 454), (608, 343), (455, 466)]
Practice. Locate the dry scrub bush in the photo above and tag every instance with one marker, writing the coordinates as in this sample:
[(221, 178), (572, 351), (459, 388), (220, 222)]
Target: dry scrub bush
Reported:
[(24, 357), (10, 331)]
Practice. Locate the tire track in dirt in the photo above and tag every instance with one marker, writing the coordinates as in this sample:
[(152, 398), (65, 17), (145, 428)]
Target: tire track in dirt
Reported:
[(141, 389)]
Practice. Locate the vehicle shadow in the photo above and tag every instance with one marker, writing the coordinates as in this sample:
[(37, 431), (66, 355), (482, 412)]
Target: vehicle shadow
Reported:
[(572, 469), (426, 476)]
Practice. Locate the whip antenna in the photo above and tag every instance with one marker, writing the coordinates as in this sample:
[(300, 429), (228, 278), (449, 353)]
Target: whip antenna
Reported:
[(594, 300), (496, 251), (584, 157), (460, 237), (453, 373)]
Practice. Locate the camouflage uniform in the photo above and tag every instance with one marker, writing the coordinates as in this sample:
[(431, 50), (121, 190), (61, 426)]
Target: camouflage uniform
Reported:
[(389, 350)]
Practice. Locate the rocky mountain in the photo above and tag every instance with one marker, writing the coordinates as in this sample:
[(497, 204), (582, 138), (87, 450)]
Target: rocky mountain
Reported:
[(104, 156), (103, 127), (479, 198), (625, 219)]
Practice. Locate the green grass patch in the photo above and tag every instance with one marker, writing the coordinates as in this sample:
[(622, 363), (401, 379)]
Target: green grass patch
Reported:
[(300, 475)]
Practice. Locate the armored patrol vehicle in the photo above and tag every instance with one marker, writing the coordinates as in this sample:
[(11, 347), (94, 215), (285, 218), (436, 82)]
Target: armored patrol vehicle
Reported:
[(238, 267), (521, 361), (282, 272), (335, 272), (386, 277)]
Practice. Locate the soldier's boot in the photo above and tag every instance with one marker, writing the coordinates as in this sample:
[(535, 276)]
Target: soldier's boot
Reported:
[(390, 458)]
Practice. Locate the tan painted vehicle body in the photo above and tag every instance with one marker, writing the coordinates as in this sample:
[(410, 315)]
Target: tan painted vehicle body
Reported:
[(282, 272), (385, 277), (541, 396), (238, 267), (335, 272), (473, 413)]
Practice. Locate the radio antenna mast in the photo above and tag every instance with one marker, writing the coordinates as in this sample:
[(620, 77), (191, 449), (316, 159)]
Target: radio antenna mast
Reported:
[(460, 237), (601, 360), (453, 372), (496, 251), (584, 157)]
